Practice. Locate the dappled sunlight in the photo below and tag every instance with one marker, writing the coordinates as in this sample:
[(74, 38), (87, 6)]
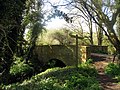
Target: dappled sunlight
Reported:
[(67, 78)]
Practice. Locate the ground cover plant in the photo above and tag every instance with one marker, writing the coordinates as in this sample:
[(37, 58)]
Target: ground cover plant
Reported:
[(113, 70), (67, 78)]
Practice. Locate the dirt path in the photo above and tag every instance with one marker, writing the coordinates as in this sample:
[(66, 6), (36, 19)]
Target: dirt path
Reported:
[(107, 83)]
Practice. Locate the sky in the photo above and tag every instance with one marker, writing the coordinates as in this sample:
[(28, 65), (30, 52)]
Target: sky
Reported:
[(55, 23)]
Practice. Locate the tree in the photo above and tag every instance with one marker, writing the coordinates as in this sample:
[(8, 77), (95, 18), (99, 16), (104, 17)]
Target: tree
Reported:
[(118, 26), (10, 29), (15, 17), (62, 37), (99, 35), (72, 16), (99, 30), (90, 23), (32, 21), (105, 16)]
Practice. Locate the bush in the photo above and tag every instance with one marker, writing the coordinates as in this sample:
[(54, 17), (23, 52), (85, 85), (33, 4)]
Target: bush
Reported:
[(89, 61), (112, 69), (20, 71), (19, 67)]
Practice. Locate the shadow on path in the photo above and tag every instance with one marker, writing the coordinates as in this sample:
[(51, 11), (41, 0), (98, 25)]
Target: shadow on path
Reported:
[(106, 82)]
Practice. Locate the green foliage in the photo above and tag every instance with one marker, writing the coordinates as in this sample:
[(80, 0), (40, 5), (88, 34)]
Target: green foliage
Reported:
[(68, 78), (33, 23), (33, 20), (52, 63), (57, 37), (84, 69), (112, 69), (106, 42), (10, 32), (89, 61), (20, 68)]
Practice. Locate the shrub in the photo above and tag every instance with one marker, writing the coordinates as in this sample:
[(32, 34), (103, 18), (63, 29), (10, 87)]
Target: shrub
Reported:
[(19, 67), (112, 69), (89, 61), (20, 71)]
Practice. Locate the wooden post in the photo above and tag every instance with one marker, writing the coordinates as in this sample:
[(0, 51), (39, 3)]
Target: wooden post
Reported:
[(76, 50), (73, 36)]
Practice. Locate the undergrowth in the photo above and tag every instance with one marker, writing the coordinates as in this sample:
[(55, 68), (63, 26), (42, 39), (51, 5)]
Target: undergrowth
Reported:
[(113, 70), (67, 78)]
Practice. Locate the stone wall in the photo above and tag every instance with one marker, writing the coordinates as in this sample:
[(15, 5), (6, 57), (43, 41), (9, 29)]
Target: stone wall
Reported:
[(61, 52), (87, 50), (67, 53)]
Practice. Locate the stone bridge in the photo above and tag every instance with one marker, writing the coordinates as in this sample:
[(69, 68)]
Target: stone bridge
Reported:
[(66, 53)]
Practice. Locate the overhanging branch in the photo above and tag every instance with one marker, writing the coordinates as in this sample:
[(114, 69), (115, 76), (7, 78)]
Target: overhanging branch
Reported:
[(85, 5)]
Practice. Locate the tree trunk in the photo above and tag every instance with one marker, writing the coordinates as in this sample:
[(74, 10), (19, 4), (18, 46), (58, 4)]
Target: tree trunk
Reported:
[(118, 26), (10, 19), (91, 32), (116, 43), (99, 36), (8, 54), (118, 53)]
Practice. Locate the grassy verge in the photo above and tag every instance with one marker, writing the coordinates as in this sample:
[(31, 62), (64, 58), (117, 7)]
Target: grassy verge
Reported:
[(68, 78)]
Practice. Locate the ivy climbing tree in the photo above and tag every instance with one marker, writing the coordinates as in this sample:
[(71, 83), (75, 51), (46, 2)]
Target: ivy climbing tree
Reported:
[(33, 23), (10, 29)]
